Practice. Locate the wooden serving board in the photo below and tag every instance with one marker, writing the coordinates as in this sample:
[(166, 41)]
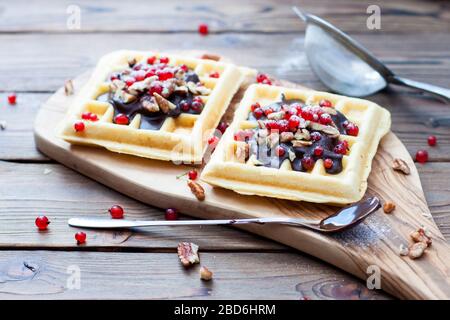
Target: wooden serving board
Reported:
[(374, 242)]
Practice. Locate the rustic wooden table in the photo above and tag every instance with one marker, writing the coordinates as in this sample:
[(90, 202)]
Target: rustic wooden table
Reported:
[(38, 53)]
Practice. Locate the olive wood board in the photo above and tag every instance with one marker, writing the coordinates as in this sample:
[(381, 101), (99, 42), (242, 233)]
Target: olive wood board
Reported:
[(375, 242)]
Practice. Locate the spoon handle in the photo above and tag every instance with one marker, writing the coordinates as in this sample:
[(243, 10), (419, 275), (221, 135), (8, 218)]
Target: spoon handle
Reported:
[(435, 90), (121, 223)]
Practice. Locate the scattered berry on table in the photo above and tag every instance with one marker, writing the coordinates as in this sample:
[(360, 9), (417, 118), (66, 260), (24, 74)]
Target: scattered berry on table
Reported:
[(42, 222), (12, 98), (432, 140), (171, 214), (422, 156), (116, 212), (80, 237), (203, 29), (192, 174)]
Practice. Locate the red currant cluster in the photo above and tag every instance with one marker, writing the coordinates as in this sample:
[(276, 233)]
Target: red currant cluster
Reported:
[(195, 106), (263, 78)]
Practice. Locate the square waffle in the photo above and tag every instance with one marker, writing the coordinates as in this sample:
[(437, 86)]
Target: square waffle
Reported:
[(345, 131), (126, 116)]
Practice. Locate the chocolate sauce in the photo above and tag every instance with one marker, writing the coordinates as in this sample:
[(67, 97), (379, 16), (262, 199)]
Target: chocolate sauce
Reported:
[(152, 120), (351, 214), (263, 152)]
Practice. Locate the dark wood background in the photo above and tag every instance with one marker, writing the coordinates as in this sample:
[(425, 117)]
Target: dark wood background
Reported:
[(38, 53)]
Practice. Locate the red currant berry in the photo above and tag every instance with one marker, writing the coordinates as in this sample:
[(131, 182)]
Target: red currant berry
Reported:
[(258, 113), (318, 151), (255, 106), (307, 114), (93, 117), (86, 115), (316, 136), (192, 174), (171, 214), (268, 111), (340, 149), (140, 75), (222, 126), (184, 68), (12, 98), (422, 156), (432, 140), (325, 103), (283, 125), (203, 29), (80, 237), (267, 81), (261, 77), (212, 141), (214, 75), (294, 122), (328, 163), (150, 73), (129, 81), (325, 119), (196, 106), (116, 212), (121, 119), (307, 163), (164, 60), (42, 222), (79, 126), (280, 151), (198, 99), (352, 129), (185, 105), (164, 75), (155, 87), (151, 60)]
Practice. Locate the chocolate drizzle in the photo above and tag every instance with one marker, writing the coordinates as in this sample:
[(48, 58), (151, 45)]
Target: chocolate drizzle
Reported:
[(267, 157), (153, 120)]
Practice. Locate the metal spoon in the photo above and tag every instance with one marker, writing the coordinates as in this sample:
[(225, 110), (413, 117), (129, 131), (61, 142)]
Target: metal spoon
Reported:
[(344, 218), (346, 67)]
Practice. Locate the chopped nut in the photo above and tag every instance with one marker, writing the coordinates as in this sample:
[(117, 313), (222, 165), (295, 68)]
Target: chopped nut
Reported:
[(2, 125), (420, 236), (117, 85), (286, 136), (165, 105), (205, 274), (403, 250), (388, 207), (188, 253), (242, 152), (329, 130), (68, 87), (328, 110), (417, 250), (401, 165), (276, 115), (301, 143), (131, 62), (197, 190), (142, 85), (210, 56), (291, 155), (302, 134), (149, 103)]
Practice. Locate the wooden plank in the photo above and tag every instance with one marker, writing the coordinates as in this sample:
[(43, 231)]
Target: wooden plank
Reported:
[(224, 16), (410, 115), (62, 194), (40, 62), (46, 275)]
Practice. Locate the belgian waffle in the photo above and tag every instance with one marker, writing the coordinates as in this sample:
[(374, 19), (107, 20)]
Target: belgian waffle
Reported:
[(299, 145), (142, 103)]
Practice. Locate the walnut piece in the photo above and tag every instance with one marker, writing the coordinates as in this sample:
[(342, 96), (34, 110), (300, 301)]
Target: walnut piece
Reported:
[(165, 105), (401, 166), (68, 87), (329, 130), (301, 143), (417, 250), (205, 274), (403, 250), (188, 253), (420, 235), (388, 207), (197, 190)]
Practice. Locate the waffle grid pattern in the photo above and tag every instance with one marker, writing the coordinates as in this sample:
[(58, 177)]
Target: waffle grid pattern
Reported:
[(180, 139), (228, 168)]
